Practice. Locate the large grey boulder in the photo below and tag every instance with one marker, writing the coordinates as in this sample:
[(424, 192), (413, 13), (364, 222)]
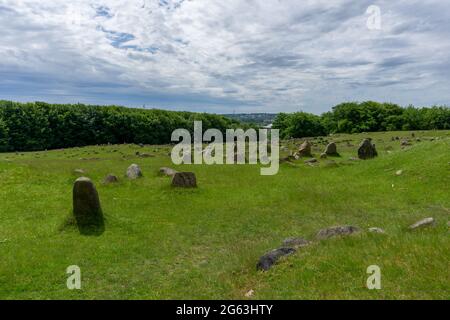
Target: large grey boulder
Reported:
[(86, 204), (134, 172), (367, 150), (331, 149), (305, 149), (336, 231), (270, 258), (184, 180)]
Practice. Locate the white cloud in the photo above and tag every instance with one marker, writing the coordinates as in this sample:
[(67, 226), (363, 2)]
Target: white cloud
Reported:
[(272, 55)]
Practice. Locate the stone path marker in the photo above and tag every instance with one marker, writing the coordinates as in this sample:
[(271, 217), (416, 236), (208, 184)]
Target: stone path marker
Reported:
[(270, 258), (336, 231), (86, 203), (167, 171), (367, 150), (331, 149), (422, 223), (184, 180), (134, 172), (305, 149), (110, 178)]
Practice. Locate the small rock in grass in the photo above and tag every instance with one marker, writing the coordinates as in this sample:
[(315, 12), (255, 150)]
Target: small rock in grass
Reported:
[(250, 294), (270, 258), (296, 243), (167, 171), (376, 230), (399, 173), (323, 156), (79, 171), (184, 180), (110, 178), (134, 172), (336, 231), (422, 223)]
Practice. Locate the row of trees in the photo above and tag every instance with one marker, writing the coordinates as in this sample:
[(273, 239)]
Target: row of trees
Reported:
[(369, 116), (39, 126)]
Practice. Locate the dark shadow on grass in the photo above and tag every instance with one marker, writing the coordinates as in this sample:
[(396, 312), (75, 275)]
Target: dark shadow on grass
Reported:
[(93, 227)]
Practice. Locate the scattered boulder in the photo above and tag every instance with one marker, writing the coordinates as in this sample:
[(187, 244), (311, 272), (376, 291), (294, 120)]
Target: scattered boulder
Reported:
[(305, 149), (134, 172), (184, 180), (295, 243), (405, 143), (331, 149), (376, 230), (367, 150), (313, 160), (110, 178), (86, 204), (270, 258), (336, 231), (422, 223), (167, 171)]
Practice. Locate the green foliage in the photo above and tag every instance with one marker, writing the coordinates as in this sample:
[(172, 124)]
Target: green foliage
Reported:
[(39, 126), (369, 116)]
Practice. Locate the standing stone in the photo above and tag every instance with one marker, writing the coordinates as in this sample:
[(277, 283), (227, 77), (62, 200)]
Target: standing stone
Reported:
[(331, 149), (305, 149), (184, 180), (86, 203), (110, 178), (367, 150), (134, 172)]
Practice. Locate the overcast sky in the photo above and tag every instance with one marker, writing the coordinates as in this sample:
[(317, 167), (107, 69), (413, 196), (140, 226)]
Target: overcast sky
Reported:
[(225, 56)]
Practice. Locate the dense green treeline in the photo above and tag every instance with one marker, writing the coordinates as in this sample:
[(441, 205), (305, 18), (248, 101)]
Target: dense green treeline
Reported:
[(39, 126), (369, 116)]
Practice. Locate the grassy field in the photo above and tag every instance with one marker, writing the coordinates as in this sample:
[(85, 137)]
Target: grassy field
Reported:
[(164, 243)]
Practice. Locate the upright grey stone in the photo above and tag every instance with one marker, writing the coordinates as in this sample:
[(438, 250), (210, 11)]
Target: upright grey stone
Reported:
[(367, 150), (331, 149), (86, 203), (134, 172), (305, 149)]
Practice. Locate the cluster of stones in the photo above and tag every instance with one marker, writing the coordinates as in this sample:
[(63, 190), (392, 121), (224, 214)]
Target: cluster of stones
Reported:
[(87, 210), (292, 245)]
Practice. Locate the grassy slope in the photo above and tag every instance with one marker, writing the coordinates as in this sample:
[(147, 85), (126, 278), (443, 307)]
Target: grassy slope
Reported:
[(165, 243)]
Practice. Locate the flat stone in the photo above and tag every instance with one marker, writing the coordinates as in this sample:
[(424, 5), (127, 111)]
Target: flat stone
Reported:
[(376, 230), (295, 243), (336, 231), (184, 180), (110, 178), (422, 223), (270, 258)]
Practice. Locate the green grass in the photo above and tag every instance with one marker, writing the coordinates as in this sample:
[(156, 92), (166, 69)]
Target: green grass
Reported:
[(164, 243)]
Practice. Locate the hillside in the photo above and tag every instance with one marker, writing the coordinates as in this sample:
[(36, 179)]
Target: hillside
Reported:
[(165, 243)]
